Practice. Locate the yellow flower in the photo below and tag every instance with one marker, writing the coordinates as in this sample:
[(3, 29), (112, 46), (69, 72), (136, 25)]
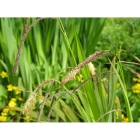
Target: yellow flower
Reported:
[(20, 99), (123, 116), (134, 79), (17, 91), (136, 91), (15, 87), (3, 118), (12, 104), (5, 110), (10, 87), (79, 78), (136, 88), (27, 118), (118, 85), (3, 114), (4, 74), (13, 99), (117, 113), (125, 120)]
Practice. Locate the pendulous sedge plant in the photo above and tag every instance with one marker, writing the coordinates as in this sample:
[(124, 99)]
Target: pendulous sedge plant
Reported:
[(92, 97)]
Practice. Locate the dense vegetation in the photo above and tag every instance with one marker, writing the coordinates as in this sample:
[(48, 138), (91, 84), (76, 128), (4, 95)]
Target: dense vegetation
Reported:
[(69, 69)]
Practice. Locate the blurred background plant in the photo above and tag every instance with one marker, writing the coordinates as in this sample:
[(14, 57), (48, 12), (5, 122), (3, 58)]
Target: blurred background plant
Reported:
[(56, 44)]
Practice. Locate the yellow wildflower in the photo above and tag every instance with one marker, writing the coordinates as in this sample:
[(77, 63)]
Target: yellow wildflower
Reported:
[(4, 74), (3, 118), (13, 99), (27, 118), (12, 104), (125, 120), (134, 79), (123, 116), (136, 88), (17, 91), (79, 78), (136, 91), (118, 85), (117, 113), (5, 110), (20, 99), (15, 87), (10, 87), (3, 114)]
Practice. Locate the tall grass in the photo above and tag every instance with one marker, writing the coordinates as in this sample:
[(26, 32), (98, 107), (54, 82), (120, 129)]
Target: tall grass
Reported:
[(51, 46)]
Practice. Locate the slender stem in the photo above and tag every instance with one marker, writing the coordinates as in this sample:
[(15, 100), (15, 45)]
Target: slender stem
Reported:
[(65, 38)]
